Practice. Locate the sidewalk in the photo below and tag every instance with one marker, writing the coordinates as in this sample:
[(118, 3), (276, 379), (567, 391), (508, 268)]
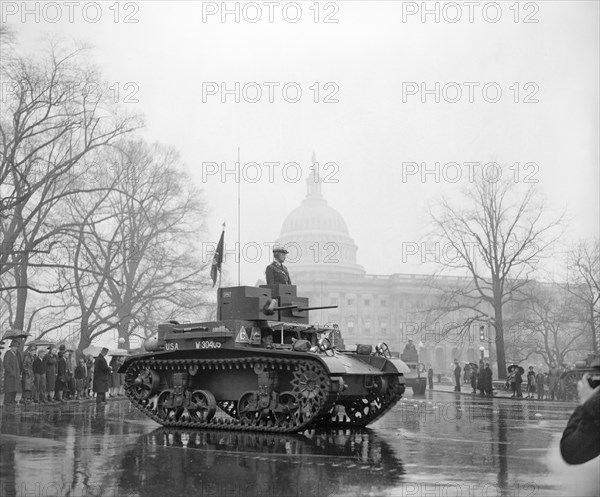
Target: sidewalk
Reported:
[(498, 391)]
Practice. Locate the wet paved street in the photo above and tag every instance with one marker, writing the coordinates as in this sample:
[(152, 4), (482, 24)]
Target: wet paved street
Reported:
[(438, 445)]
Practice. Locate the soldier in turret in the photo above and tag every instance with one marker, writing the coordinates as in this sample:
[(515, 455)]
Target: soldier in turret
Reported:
[(276, 272)]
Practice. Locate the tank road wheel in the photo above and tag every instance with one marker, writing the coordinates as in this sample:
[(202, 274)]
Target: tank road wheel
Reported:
[(165, 407), (202, 406), (248, 411), (141, 382), (310, 388), (286, 408), (380, 385)]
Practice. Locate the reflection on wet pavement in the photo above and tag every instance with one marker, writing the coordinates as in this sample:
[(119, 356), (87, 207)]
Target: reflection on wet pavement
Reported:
[(439, 445)]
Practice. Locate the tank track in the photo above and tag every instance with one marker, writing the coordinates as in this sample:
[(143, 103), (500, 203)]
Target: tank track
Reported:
[(359, 413), (311, 387)]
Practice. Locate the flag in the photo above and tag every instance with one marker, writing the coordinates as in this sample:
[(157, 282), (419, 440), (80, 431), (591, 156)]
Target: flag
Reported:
[(217, 259)]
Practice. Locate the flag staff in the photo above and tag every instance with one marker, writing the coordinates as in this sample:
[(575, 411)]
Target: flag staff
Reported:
[(239, 165)]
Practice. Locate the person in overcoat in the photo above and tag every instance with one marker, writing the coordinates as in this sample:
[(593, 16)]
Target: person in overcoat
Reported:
[(61, 376), (580, 441), (474, 378), (101, 372), (539, 380), (89, 362), (50, 367), (487, 382), (457, 371), (114, 379), (12, 374), (39, 373), (530, 383), (27, 376)]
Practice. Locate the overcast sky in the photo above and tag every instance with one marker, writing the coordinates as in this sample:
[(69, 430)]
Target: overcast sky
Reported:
[(363, 61)]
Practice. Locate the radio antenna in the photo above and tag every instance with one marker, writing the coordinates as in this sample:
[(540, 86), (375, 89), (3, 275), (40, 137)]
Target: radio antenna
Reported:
[(239, 178)]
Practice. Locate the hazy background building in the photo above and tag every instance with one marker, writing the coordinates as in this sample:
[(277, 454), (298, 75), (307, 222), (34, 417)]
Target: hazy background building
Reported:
[(371, 308)]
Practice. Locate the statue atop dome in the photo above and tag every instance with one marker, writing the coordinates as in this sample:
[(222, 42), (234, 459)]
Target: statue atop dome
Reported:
[(313, 182)]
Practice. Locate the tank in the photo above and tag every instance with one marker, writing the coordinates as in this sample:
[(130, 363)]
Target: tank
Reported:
[(261, 366), (416, 377), (569, 379)]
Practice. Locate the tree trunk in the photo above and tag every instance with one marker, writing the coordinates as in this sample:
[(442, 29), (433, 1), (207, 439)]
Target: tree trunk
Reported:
[(84, 337), (123, 330), (593, 324), (501, 358), (84, 343), (21, 283)]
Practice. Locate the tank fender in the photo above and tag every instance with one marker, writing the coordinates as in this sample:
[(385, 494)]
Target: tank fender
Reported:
[(401, 366)]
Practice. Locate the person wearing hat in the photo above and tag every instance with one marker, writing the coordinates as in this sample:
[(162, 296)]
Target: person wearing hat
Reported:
[(276, 272), (80, 379), (27, 375), (101, 372), (530, 383), (61, 374), (488, 385), (12, 374), (474, 375), (518, 381), (50, 361), (457, 371), (39, 373)]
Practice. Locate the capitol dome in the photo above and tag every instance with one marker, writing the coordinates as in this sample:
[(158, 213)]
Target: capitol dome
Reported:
[(317, 236)]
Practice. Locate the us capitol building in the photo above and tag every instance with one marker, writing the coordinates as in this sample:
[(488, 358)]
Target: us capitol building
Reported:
[(371, 308)]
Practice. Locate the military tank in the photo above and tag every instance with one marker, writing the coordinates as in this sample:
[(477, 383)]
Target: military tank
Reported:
[(416, 378), (260, 367), (569, 379)]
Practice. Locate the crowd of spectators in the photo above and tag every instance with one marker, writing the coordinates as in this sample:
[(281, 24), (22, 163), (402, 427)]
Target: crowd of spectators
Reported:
[(548, 385), (49, 375)]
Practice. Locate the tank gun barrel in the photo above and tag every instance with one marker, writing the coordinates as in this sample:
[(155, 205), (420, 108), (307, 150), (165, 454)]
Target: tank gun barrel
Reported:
[(301, 309), (283, 307)]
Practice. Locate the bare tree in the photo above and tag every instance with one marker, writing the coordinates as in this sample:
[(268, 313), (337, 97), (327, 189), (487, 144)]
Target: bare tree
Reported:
[(494, 236), (583, 283), (160, 220), (134, 254), (54, 115), (549, 323)]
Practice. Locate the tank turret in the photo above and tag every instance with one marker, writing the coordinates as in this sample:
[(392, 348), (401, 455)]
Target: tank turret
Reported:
[(260, 366)]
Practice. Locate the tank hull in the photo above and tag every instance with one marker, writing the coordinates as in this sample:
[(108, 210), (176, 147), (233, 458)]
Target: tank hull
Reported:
[(261, 389)]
